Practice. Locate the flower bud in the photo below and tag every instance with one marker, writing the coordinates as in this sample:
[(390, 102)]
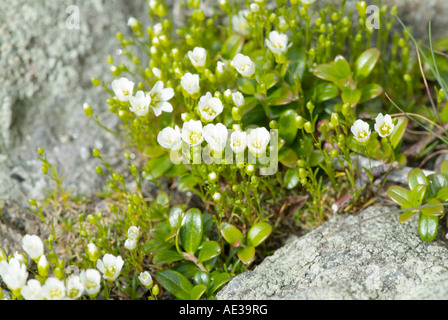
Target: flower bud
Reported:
[(92, 252), (334, 119), (308, 127), (43, 266), (88, 110), (217, 197)]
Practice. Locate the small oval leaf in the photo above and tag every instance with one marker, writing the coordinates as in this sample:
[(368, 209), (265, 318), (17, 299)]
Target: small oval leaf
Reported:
[(433, 211), (246, 255), (258, 234), (416, 177), (197, 292), (231, 234), (427, 227), (191, 230), (175, 283), (167, 257), (366, 62), (209, 250), (281, 96), (400, 196)]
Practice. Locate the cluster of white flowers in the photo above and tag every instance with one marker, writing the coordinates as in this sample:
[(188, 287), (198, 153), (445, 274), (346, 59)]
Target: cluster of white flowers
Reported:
[(157, 98), (216, 135), (14, 274), (131, 241), (383, 125)]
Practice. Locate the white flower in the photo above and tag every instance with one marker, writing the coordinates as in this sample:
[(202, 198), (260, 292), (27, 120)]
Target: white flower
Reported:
[(110, 266), (192, 132), (160, 97), (210, 107), (53, 289), (157, 72), (238, 99), (361, 130), (130, 244), (238, 141), (152, 4), (132, 22), (170, 138), (133, 232), (32, 290), (75, 288), (198, 57), (239, 23), (216, 136), (217, 196), (277, 42), (145, 278), (254, 7), (308, 2), (140, 103), (13, 274), (384, 125), (91, 279), (123, 89), (244, 65), (220, 67), (257, 141), (33, 246), (190, 83), (158, 28)]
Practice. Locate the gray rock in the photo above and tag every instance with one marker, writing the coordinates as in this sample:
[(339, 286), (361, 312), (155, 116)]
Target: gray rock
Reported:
[(367, 256), (45, 71)]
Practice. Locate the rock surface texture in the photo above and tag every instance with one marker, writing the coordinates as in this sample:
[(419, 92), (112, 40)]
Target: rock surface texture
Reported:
[(365, 256), (46, 63)]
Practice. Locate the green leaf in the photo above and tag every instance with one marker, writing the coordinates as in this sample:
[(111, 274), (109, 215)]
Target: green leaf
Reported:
[(154, 151), (187, 268), (175, 283), (352, 97), (218, 281), (433, 211), (291, 179), (399, 130), (444, 167), (370, 91), (405, 216), (201, 277), (366, 63), (438, 181), (155, 168), (209, 250), (288, 157), (400, 196), (442, 195), (258, 234), (198, 291), (297, 64), (416, 177), (191, 230), (167, 257), (232, 46), (246, 86), (417, 195), (427, 227), (287, 128), (246, 255), (187, 183), (231, 234), (270, 80), (281, 96), (175, 217), (322, 92)]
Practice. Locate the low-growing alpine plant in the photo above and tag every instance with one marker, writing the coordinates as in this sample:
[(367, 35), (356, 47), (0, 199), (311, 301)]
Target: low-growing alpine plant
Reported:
[(257, 110)]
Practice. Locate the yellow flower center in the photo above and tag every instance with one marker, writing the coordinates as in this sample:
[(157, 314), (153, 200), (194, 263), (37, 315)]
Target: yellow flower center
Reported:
[(209, 111), (362, 135), (110, 272), (56, 292), (195, 137), (90, 284), (385, 130)]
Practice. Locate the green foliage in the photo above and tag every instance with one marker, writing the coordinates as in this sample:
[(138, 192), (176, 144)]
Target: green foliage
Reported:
[(427, 195)]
